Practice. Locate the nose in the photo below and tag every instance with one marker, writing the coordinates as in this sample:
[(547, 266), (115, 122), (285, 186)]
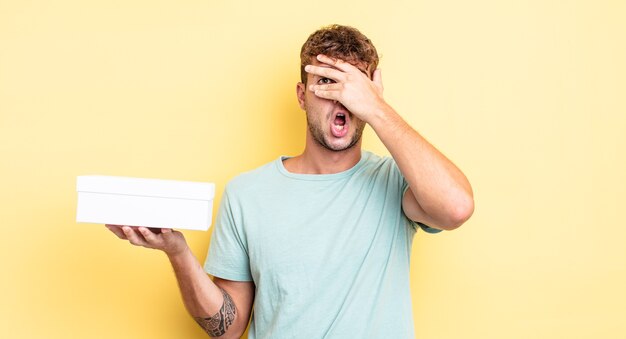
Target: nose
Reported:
[(339, 104)]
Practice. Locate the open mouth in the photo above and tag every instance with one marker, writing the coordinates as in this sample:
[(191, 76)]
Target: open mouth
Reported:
[(339, 126), (340, 121)]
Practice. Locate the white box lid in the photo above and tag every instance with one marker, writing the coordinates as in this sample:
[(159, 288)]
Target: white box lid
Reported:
[(145, 187)]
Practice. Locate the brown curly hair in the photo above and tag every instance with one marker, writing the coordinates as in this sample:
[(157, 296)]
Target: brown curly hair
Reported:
[(337, 41)]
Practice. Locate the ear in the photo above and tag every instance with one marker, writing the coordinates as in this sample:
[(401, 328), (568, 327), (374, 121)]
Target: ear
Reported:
[(300, 91)]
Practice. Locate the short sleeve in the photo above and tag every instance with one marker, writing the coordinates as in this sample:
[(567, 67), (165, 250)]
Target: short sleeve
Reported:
[(227, 257), (415, 224), (428, 229)]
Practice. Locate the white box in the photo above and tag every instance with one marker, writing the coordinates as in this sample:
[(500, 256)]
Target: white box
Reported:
[(144, 202)]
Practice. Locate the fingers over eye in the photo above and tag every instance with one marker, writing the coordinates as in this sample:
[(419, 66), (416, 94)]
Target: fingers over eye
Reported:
[(326, 87), (331, 95), (327, 72), (339, 63)]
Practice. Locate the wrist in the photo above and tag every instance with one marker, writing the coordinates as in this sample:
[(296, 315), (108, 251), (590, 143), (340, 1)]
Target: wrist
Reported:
[(178, 255), (381, 117)]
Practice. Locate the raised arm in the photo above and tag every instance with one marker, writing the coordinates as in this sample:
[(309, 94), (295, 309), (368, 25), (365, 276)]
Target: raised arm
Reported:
[(440, 195), (221, 307)]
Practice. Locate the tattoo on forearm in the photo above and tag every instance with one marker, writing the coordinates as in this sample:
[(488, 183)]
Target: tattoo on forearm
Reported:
[(218, 324)]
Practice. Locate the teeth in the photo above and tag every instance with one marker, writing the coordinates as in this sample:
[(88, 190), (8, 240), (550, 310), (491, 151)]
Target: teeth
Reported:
[(339, 127)]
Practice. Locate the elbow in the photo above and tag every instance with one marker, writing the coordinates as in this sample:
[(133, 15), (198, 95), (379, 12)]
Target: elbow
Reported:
[(229, 335), (220, 327), (459, 213)]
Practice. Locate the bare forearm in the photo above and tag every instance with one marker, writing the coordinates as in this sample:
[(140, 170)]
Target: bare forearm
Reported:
[(211, 307), (440, 188), (441, 191)]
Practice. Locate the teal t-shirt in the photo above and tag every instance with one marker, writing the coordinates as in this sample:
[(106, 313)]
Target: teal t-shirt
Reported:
[(329, 254)]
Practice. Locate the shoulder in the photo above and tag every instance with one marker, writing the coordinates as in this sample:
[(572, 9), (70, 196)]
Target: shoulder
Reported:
[(376, 164), (250, 180)]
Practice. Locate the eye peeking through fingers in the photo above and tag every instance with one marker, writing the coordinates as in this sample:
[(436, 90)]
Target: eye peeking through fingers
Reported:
[(325, 81)]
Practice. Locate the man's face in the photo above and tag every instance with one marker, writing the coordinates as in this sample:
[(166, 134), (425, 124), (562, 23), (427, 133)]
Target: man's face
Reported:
[(331, 125)]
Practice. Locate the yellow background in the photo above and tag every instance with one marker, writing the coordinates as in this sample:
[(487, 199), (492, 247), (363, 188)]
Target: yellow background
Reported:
[(527, 97)]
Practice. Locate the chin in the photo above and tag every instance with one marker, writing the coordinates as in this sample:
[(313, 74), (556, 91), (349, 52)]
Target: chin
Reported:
[(346, 143)]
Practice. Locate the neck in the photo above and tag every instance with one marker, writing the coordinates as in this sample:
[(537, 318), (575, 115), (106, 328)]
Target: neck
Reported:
[(317, 159)]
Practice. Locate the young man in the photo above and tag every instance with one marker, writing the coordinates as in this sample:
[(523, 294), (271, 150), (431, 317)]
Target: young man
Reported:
[(320, 243)]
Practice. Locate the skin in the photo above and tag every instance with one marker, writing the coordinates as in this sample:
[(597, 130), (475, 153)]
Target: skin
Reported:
[(439, 194), (320, 113), (221, 307)]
